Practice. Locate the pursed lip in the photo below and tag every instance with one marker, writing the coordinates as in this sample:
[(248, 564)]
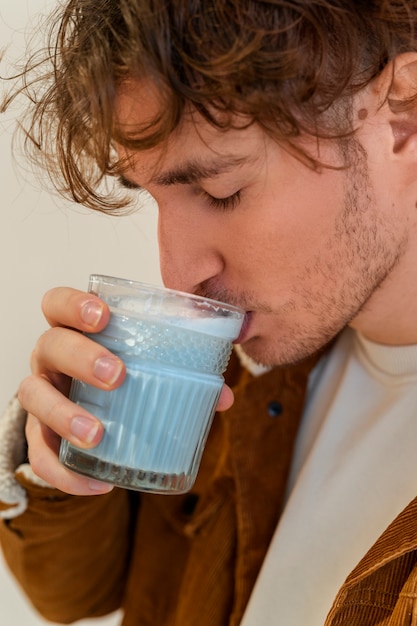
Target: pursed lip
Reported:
[(244, 331)]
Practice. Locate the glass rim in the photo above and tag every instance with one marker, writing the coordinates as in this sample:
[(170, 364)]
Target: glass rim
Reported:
[(110, 280)]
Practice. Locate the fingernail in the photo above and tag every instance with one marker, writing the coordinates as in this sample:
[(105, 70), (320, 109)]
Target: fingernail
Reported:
[(84, 428), (91, 313), (108, 369), (98, 487)]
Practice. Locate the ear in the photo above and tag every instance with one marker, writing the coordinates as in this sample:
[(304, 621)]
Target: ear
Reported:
[(402, 101)]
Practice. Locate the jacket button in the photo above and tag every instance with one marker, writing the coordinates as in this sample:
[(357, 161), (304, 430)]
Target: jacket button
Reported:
[(189, 504), (274, 408)]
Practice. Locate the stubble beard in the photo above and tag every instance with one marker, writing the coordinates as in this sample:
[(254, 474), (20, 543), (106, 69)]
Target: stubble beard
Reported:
[(363, 245)]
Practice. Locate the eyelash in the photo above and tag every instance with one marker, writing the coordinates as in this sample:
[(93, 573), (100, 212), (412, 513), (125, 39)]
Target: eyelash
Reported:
[(224, 204)]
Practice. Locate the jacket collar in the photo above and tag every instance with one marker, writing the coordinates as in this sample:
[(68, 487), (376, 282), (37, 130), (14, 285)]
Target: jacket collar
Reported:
[(391, 558)]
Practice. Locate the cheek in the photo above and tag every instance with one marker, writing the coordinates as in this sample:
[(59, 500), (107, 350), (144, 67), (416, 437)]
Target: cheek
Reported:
[(290, 230)]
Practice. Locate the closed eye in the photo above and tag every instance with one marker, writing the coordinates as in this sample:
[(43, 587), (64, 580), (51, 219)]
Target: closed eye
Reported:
[(128, 184), (225, 204)]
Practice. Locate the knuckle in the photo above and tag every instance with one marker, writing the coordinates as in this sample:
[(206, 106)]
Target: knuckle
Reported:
[(29, 427), (33, 361), (42, 443), (24, 391), (54, 415), (30, 431), (36, 462), (45, 302), (35, 358), (42, 346), (42, 340)]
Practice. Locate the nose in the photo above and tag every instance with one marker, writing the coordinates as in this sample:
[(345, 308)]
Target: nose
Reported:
[(188, 250)]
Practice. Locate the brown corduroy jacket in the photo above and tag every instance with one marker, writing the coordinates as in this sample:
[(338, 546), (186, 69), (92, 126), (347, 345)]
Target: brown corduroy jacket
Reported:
[(192, 560)]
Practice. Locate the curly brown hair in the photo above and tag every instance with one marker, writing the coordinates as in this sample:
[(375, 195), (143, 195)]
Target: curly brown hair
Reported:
[(288, 65)]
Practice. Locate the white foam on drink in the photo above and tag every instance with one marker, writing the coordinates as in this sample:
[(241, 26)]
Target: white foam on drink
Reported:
[(223, 327), (197, 319)]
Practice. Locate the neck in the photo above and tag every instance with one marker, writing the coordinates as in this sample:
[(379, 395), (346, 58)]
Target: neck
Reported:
[(390, 315)]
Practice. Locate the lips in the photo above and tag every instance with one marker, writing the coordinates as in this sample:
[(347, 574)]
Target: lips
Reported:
[(244, 331)]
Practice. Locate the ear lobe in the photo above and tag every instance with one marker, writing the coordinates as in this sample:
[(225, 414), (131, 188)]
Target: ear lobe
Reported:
[(402, 101)]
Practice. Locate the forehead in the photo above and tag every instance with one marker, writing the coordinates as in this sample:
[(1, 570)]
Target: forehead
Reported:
[(194, 140)]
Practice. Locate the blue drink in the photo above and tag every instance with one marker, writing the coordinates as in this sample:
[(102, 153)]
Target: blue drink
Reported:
[(157, 422)]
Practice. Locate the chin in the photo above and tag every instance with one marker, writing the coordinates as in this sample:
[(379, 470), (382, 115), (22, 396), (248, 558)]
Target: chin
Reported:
[(260, 352), (269, 354)]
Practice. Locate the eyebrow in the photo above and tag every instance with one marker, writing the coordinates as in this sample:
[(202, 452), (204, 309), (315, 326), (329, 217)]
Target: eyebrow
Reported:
[(191, 172)]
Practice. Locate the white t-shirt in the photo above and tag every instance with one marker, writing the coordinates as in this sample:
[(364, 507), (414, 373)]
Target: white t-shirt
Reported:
[(354, 471)]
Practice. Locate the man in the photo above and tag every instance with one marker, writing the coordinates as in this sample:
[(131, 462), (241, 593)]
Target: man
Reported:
[(279, 141)]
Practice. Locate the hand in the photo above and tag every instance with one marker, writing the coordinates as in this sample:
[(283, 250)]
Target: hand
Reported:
[(60, 354), (226, 399), (63, 353)]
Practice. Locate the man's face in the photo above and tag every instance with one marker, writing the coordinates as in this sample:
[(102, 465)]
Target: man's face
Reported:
[(244, 221)]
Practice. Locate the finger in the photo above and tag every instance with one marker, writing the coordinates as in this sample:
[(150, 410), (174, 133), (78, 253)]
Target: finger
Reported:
[(53, 410), (226, 399), (62, 351), (64, 306), (43, 457)]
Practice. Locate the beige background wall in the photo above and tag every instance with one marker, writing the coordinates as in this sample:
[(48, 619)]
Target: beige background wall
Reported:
[(45, 242)]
